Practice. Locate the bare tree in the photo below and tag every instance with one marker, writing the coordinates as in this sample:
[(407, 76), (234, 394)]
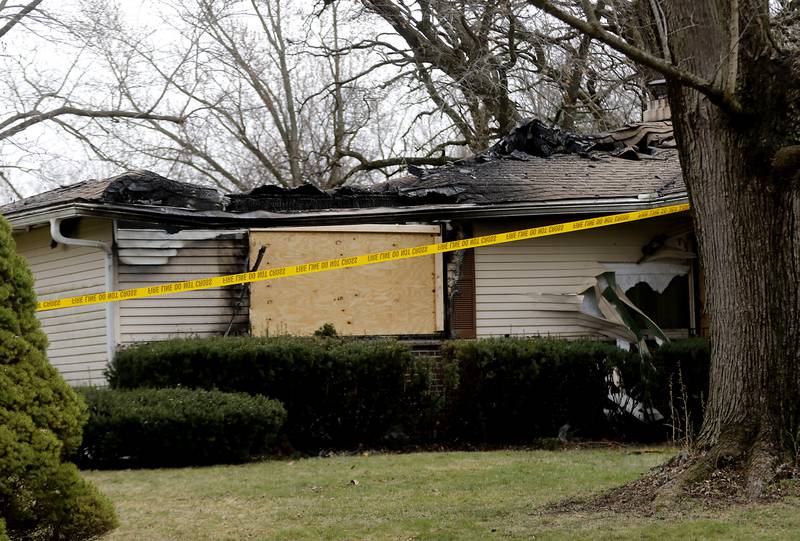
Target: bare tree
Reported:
[(733, 71), (12, 15), (268, 97), (252, 91), (31, 96), (485, 64)]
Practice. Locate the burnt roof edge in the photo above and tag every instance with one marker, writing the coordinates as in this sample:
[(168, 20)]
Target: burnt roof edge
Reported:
[(24, 218)]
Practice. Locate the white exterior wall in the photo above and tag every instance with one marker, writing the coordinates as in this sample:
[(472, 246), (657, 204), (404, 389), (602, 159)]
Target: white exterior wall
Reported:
[(152, 256), (78, 336), (532, 287)]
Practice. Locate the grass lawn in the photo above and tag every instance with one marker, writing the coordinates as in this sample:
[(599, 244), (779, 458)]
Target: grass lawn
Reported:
[(437, 496)]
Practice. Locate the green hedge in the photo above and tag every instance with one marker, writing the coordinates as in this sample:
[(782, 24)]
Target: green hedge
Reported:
[(514, 390), (339, 393), (342, 393), (176, 427), (682, 384)]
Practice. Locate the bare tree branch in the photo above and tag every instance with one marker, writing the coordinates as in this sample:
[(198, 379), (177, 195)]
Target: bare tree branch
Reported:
[(34, 118), (10, 186), (366, 164), (17, 17), (671, 71)]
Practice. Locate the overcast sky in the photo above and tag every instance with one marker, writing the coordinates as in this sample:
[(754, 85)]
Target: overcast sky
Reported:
[(43, 157)]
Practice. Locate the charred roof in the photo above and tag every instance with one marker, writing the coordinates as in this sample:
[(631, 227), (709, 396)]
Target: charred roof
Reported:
[(536, 163), (533, 163)]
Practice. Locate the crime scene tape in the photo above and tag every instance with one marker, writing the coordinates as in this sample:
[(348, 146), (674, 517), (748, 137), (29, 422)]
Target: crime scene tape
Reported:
[(357, 261)]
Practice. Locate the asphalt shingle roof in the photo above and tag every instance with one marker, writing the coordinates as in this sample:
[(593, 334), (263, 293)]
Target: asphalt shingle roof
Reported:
[(515, 179), (87, 190), (531, 164)]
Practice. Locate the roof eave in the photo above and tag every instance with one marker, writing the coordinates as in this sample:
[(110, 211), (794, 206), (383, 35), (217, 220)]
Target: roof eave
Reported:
[(26, 218)]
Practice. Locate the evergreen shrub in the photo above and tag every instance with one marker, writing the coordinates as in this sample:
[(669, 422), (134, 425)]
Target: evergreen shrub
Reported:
[(342, 393), (683, 368), (515, 390), (176, 427), (41, 419)]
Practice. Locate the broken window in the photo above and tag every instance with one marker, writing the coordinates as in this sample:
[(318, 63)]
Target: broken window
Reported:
[(661, 290), (669, 308)]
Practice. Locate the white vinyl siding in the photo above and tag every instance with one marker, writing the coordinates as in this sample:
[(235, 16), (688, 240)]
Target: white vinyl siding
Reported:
[(151, 256), (531, 287), (78, 335)]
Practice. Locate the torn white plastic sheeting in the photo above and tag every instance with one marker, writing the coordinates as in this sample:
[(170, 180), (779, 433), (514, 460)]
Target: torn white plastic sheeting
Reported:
[(156, 246), (600, 310), (634, 407), (602, 298), (631, 315), (656, 274), (607, 302)]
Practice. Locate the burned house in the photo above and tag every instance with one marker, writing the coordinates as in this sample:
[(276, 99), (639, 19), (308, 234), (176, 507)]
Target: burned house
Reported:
[(141, 229)]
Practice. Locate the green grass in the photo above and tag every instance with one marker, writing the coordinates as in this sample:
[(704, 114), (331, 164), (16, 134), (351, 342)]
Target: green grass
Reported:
[(437, 496)]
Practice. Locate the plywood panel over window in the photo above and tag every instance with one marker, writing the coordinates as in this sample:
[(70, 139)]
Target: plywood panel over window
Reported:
[(393, 298)]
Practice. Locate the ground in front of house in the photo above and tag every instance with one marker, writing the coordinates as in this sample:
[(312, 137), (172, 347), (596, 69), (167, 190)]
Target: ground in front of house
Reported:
[(425, 496)]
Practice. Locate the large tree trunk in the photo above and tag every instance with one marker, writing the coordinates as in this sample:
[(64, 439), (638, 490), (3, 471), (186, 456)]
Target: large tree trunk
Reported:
[(742, 174)]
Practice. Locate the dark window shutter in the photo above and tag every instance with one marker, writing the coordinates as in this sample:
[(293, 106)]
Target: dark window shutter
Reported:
[(463, 322)]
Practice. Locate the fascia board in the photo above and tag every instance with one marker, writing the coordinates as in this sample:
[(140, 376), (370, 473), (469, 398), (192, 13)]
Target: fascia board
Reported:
[(22, 219)]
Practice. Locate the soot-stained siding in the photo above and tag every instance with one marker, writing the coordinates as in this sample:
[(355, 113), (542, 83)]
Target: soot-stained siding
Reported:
[(153, 256)]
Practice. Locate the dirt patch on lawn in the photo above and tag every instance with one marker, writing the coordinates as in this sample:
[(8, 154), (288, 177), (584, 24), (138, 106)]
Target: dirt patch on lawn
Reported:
[(724, 488)]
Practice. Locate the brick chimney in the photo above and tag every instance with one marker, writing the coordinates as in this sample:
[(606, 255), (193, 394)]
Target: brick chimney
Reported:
[(657, 105)]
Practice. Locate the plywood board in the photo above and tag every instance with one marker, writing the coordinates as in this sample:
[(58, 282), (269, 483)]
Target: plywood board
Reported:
[(397, 297)]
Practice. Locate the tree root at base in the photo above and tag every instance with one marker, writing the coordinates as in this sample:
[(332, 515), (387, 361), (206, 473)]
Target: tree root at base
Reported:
[(749, 466), (723, 475)]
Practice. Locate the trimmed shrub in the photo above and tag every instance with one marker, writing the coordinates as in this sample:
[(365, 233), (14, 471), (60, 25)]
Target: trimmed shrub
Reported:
[(339, 393), (41, 418), (342, 393), (232, 364), (358, 392), (513, 390), (176, 427)]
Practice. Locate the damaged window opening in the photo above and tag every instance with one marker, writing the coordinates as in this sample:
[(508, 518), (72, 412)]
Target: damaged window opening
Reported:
[(650, 300), (670, 309)]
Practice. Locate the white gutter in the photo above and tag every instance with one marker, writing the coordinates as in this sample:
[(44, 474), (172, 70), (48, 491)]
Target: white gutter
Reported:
[(106, 247)]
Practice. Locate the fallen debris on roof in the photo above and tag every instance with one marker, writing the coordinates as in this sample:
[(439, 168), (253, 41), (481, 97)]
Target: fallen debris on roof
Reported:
[(148, 188), (536, 163), (535, 139)]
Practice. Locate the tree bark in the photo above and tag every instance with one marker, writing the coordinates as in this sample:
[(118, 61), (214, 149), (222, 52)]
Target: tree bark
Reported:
[(743, 180)]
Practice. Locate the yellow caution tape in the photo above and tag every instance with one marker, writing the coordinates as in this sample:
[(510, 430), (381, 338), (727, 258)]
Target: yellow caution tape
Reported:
[(357, 261)]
